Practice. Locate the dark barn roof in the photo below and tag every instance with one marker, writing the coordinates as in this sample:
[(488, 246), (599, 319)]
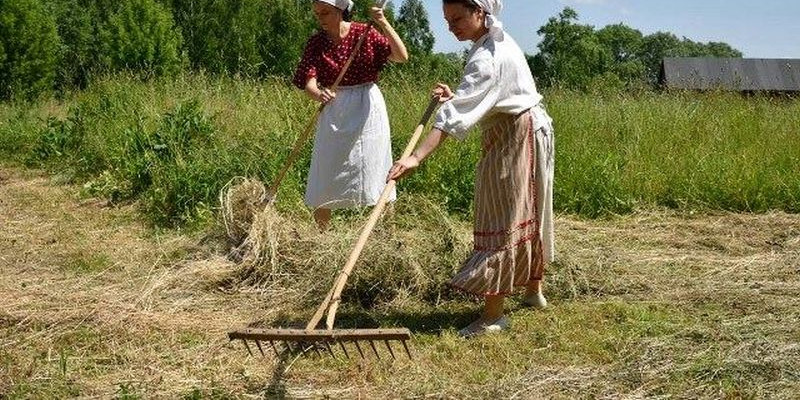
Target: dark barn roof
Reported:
[(742, 74)]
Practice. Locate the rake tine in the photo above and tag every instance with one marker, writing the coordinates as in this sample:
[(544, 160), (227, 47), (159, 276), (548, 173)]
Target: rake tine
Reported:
[(247, 347), (328, 346), (259, 348), (358, 346), (316, 350), (275, 349), (388, 346), (289, 347), (406, 347), (372, 344), (346, 354)]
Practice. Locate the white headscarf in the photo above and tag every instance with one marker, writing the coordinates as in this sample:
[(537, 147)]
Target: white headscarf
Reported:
[(492, 8), (344, 5)]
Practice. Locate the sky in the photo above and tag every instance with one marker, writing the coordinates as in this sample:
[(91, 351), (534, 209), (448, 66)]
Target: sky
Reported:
[(759, 29)]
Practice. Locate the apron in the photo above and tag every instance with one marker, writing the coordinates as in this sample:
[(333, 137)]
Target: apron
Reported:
[(352, 150), (513, 231)]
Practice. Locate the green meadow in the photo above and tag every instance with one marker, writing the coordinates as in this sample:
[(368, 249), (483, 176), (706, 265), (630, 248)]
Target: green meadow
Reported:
[(174, 143)]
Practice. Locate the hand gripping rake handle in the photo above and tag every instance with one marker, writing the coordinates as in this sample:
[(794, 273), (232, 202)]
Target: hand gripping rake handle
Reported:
[(331, 302), (301, 140)]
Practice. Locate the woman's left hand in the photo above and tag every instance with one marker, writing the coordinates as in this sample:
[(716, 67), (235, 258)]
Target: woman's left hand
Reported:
[(378, 16), (326, 96)]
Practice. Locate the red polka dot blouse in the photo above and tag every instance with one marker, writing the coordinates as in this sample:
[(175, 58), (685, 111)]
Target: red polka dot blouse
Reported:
[(324, 59)]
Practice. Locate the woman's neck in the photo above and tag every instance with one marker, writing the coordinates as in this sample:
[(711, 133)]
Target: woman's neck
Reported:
[(340, 33), (480, 33)]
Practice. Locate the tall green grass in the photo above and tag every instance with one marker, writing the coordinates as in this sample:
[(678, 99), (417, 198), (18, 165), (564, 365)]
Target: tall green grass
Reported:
[(173, 144), (682, 150)]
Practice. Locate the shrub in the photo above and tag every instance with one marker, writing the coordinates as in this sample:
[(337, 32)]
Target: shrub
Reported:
[(251, 37), (103, 36), (139, 36), (65, 146), (28, 49), (59, 138), (78, 54), (172, 168)]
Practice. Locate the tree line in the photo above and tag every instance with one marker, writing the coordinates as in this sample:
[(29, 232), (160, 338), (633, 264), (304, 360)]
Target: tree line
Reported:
[(579, 56), (51, 46)]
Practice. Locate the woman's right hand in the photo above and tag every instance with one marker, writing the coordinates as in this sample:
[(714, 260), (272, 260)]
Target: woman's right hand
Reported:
[(402, 167), (443, 92), (378, 16), (325, 96)]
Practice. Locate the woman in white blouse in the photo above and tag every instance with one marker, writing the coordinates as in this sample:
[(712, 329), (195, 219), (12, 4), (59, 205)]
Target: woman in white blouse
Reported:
[(513, 229)]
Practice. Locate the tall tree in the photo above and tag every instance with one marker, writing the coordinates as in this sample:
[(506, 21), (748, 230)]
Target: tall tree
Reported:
[(624, 44), (654, 48), (570, 54), (657, 46), (284, 37), (413, 26), (253, 37), (720, 49)]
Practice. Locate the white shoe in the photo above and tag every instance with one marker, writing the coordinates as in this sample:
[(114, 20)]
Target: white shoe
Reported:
[(535, 300), (478, 328)]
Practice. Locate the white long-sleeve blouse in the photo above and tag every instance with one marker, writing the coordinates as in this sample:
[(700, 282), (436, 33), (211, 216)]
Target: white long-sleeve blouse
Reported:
[(496, 80)]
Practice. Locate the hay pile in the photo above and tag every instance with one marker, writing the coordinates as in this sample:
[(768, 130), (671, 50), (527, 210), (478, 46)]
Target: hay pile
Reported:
[(411, 253), (241, 199)]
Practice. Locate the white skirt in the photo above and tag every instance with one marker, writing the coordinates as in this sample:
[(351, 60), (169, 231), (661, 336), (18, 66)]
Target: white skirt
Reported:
[(352, 150)]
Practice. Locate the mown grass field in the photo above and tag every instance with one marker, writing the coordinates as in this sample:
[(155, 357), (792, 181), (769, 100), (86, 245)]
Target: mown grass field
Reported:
[(649, 305), (677, 237)]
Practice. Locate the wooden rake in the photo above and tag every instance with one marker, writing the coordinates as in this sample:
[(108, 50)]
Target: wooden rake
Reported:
[(311, 338)]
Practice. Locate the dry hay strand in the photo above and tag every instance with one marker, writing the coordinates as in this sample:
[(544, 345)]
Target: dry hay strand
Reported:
[(241, 199), (250, 224), (259, 250)]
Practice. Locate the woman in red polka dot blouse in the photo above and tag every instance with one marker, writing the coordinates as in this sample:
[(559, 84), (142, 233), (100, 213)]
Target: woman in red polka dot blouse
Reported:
[(352, 150)]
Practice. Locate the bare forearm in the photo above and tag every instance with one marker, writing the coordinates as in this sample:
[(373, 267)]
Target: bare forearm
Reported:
[(399, 52), (312, 90), (406, 165), (429, 144)]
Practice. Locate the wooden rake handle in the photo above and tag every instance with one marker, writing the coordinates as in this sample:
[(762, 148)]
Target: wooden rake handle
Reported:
[(332, 300), (303, 138)]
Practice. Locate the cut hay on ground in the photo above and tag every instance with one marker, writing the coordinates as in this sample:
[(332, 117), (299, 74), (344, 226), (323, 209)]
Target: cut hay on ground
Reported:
[(396, 264), (657, 304)]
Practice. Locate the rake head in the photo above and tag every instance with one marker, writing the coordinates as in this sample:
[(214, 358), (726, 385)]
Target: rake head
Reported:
[(302, 340)]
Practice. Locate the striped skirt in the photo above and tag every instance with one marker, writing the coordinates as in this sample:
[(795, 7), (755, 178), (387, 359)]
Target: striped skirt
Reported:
[(513, 233)]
